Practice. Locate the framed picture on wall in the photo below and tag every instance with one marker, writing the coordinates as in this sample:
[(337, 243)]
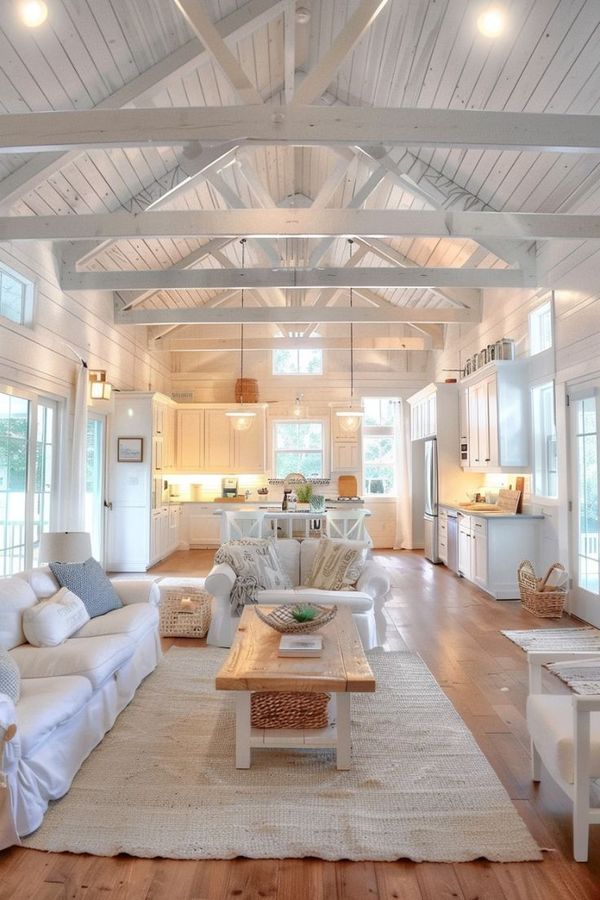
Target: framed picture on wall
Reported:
[(130, 449)]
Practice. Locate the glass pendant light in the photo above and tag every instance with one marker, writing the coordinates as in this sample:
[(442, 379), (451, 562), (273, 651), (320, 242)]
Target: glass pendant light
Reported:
[(242, 417), (350, 419), (299, 410)]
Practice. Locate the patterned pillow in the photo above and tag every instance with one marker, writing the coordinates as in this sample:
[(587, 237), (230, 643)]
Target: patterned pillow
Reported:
[(258, 558), (90, 583), (10, 677), (337, 564)]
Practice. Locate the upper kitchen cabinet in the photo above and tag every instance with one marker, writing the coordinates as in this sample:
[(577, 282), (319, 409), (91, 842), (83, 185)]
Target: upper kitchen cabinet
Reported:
[(423, 413), (207, 441), (346, 449), (494, 411)]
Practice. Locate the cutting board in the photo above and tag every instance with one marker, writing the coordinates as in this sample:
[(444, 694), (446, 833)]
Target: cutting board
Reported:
[(508, 501), (347, 486)]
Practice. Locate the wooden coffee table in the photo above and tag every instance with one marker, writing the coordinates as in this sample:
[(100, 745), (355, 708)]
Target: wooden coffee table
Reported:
[(253, 665)]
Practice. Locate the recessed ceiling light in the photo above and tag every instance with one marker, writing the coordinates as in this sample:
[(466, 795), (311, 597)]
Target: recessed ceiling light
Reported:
[(33, 12), (492, 21), (302, 15)]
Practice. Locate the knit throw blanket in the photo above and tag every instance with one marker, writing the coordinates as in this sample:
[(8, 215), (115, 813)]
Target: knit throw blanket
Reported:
[(257, 567)]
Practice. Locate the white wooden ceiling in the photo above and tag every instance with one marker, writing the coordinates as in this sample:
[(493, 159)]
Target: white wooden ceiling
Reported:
[(424, 54)]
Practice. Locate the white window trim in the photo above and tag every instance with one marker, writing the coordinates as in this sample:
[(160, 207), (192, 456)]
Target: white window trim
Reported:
[(29, 301), (377, 431), (547, 300), (324, 422), (299, 374), (543, 498)]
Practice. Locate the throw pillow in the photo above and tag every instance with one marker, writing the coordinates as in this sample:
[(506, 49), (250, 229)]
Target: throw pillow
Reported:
[(255, 557), (337, 564), (10, 677), (50, 622), (89, 581)]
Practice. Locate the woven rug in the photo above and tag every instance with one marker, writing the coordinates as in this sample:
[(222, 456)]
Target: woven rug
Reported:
[(163, 781), (582, 677)]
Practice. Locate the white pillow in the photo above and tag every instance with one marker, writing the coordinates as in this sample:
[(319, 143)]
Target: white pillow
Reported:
[(50, 622), (337, 564)]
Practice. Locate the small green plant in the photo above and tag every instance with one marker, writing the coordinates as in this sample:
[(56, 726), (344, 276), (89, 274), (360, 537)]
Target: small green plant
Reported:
[(304, 613), (304, 492)]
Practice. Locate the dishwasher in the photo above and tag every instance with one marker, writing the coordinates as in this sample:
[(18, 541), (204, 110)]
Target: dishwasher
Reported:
[(452, 540)]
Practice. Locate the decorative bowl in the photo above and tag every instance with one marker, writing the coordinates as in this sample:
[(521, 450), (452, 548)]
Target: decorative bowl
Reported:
[(281, 618)]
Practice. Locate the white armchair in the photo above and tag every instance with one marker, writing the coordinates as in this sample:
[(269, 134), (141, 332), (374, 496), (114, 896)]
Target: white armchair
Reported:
[(565, 738)]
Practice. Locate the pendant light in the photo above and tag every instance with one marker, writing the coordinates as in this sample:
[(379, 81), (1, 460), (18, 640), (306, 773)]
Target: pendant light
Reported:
[(242, 417), (350, 419), (299, 410)]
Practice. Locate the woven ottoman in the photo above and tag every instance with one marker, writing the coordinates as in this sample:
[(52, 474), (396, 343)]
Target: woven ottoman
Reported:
[(185, 608)]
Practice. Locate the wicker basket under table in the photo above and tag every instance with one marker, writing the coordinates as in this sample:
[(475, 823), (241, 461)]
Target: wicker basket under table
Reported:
[(536, 600), (288, 709), (178, 618)]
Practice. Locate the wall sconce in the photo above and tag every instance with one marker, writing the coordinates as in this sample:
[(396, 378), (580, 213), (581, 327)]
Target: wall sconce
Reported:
[(100, 388)]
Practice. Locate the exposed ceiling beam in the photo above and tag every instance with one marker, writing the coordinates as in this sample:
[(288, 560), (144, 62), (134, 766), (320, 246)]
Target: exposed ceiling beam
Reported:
[(292, 279), (215, 345), (332, 183), (323, 73), (301, 223), (290, 315), (192, 169), (233, 28), (289, 50), (435, 333), (201, 23), (301, 125)]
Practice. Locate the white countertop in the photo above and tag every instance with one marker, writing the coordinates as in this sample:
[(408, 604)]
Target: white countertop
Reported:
[(482, 514)]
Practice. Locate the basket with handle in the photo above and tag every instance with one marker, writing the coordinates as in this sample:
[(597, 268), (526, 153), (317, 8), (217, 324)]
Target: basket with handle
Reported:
[(535, 597), (289, 709)]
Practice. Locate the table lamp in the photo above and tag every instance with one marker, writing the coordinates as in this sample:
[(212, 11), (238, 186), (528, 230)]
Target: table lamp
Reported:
[(65, 546)]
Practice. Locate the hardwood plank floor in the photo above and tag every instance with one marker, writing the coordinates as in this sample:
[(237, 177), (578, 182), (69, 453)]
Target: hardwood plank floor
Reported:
[(455, 628)]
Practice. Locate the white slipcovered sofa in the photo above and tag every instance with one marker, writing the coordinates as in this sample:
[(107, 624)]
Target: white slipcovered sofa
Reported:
[(366, 601), (71, 694)]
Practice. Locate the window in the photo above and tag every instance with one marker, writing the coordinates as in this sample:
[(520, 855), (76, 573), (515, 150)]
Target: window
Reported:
[(379, 446), (545, 474), (540, 328), (297, 362), (587, 464), (15, 297), (27, 430), (298, 447)]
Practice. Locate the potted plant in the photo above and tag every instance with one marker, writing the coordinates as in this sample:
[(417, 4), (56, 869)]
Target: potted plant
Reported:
[(304, 493)]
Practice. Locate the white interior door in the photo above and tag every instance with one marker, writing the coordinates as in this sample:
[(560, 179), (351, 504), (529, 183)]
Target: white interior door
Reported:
[(585, 480)]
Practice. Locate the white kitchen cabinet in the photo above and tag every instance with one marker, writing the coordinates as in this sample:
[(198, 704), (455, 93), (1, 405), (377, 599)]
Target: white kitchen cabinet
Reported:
[(204, 527), (218, 441), (174, 528), (494, 408), (464, 546), (190, 439), (346, 457), (423, 416), (479, 566), (443, 535), (249, 447)]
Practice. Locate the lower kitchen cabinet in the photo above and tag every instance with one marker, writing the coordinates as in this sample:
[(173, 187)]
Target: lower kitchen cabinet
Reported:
[(491, 549)]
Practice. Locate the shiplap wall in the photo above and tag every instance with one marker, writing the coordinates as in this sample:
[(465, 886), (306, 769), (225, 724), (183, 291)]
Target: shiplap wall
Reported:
[(40, 360)]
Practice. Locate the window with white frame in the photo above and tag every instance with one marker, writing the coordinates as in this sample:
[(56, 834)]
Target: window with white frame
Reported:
[(15, 296), (298, 447), (545, 471), (298, 362), (379, 446), (27, 469), (540, 328)]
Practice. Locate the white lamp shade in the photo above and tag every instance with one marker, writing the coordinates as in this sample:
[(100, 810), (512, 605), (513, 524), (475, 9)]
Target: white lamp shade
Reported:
[(65, 546), (350, 420)]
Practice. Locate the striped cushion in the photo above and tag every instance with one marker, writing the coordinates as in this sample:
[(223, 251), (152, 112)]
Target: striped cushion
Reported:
[(337, 564)]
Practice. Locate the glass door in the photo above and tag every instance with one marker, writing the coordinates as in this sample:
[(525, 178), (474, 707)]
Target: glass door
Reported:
[(94, 483), (585, 457)]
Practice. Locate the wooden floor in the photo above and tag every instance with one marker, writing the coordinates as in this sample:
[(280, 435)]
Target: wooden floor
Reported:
[(455, 628)]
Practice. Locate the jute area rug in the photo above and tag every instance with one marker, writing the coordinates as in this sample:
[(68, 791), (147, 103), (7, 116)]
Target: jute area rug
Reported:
[(163, 781), (583, 677)]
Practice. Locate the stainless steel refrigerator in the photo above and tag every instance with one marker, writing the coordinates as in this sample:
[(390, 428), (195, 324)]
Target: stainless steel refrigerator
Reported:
[(431, 501)]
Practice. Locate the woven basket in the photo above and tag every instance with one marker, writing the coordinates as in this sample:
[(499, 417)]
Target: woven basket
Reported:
[(179, 619), (282, 620), (288, 710), (246, 389), (541, 603)]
